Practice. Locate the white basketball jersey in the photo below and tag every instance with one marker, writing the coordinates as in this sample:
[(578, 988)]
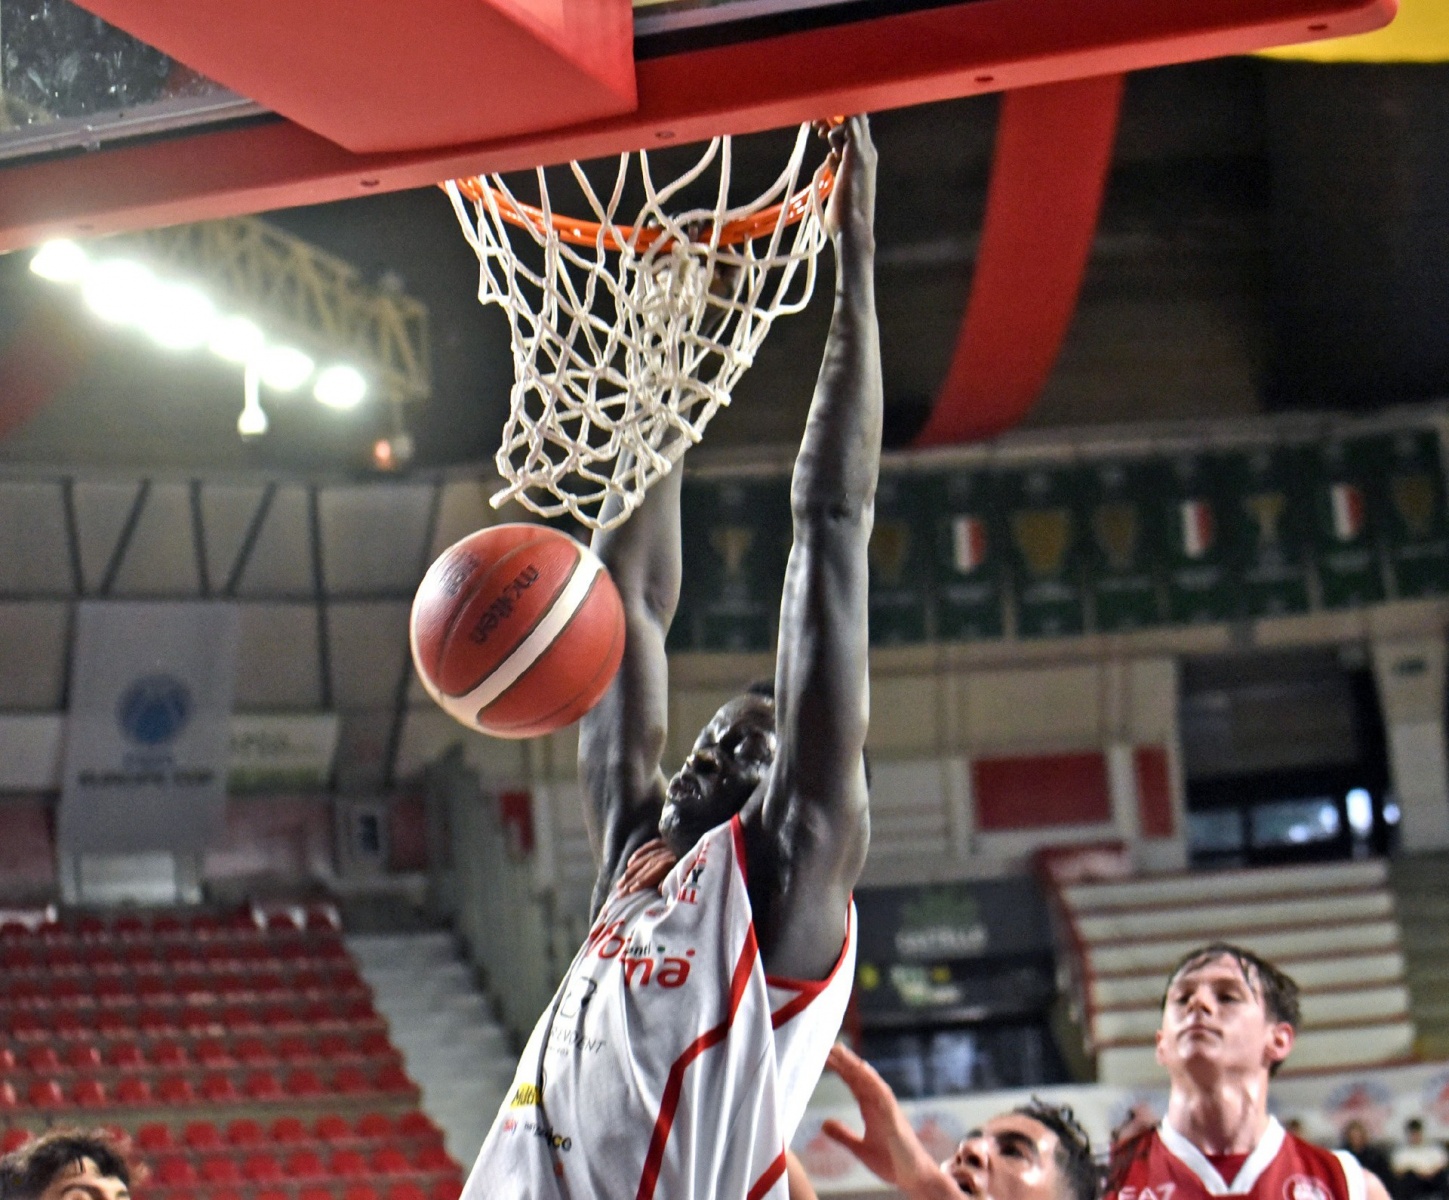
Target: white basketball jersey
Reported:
[(668, 1065)]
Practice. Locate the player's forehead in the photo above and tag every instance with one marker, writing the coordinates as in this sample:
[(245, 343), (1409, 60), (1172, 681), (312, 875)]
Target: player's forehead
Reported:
[(1217, 969), (747, 711), (1019, 1126), (84, 1178)]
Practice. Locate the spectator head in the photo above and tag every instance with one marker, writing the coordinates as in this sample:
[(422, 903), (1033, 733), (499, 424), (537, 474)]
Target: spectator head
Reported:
[(1355, 1136), (1414, 1131), (68, 1164)]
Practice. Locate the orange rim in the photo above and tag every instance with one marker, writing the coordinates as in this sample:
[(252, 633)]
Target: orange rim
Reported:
[(580, 232)]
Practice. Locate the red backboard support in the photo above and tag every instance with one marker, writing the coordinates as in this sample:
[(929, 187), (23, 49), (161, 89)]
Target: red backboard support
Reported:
[(910, 58)]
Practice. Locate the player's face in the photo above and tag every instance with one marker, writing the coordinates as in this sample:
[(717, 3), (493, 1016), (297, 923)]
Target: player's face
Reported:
[(731, 758), (84, 1181), (1011, 1157), (1214, 1021)]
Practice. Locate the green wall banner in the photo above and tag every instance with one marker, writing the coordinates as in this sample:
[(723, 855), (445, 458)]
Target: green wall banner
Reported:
[(1044, 510), (1415, 528), (901, 559), (1270, 511), (970, 558), (1124, 521), (1196, 546), (1345, 546)]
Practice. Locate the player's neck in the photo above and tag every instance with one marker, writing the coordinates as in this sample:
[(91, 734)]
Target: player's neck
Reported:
[(1221, 1116)]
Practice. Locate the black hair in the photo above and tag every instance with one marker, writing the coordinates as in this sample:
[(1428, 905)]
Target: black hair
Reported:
[(1278, 990), (27, 1172), (1074, 1148)]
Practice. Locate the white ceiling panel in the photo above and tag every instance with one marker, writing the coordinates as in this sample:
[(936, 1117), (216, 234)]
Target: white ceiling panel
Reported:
[(33, 639), (278, 667), (34, 541), (227, 513), (369, 649), (280, 563), (374, 538), (101, 512), (160, 558)]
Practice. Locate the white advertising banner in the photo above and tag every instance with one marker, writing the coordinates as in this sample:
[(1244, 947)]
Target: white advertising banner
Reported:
[(148, 727), (1382, 1099), (274, 751)]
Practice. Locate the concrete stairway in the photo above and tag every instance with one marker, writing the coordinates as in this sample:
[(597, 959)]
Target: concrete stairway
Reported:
[(453, 1047), (1421, 889)]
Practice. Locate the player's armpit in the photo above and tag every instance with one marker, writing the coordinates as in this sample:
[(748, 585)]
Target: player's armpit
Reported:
[(800, 1186)]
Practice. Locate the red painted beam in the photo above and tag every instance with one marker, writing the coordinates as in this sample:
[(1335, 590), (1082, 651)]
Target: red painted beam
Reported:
[(912, 58), (379, 77), (1053, 148)]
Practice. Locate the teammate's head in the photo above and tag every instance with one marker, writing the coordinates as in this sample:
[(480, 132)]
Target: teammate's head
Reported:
[(732, 757), (67, 1164), (1226, 1010), (1035, 1152)]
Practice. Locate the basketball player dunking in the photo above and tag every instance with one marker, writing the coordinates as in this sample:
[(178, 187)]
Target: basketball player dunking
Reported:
[(679, 1052), (1228, 1022)]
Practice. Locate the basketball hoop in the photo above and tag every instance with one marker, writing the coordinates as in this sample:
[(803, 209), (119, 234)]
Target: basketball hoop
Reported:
[(632, 336)]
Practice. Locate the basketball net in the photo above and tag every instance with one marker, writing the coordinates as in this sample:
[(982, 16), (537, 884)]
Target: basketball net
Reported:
[(633, 335)]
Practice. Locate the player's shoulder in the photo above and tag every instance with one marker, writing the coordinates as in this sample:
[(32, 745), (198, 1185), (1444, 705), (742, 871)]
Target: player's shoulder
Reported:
[(1127, 1161)]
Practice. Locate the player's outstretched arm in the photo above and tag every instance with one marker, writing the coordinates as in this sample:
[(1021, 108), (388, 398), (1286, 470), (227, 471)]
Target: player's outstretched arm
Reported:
[(621, 739), (889, 1146), (815, 810)]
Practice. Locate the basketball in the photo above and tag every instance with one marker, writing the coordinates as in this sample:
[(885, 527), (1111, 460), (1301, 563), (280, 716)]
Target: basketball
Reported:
[(517, 630)]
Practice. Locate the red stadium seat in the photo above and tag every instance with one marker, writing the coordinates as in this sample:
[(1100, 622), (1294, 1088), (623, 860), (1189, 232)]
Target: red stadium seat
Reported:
[(169, 1054), (87, 1092), (333, 1046), (111, 1024), (294, 1049), (252, 1051), (417, 1124), (218, 1088), (125, 1056), (359, 1011), (42, 1060), (276, 1016), (245, 1132), (175, 1171), (155, 1138), (237, 1017), (392, 1079), (175, 1090), (433, 1158), (12, 1139), (134, 1091), (103, 960), (347, 1164), (83, 1056), (220, 1169), (210, 1052), (391, 1161), (202, 1135), (350, 1081), (281, 922), (303, 1083), (406, 1191), (69, 1024), (111, 991), (305, 1164), (318, 1012), (154, 1021), (205, 925), (90, 927), (28, 1026), (167, 925), (332, 1128), (272, 1194), (446, 1189), (45, 1093), (7, 1059), (374, 1126), (196, 1020), (8, 1097), (315, 1193), (128, 925), (359, 1191), (263, 1168), (262, 1085), (287, 1131), (374, 1043), (225, 1193), (139, 957), (64, 958)]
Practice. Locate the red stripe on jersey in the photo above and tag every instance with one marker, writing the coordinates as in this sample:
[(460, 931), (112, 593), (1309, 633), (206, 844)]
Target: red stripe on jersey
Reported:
[(737, 831), (766, 1181), (669, 1103), (807, 989)]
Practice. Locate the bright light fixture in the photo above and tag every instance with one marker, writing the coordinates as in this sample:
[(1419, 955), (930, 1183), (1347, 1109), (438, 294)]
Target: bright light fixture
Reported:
[(119, 290), (340, 387), (235, 339), (284, 368), (60, 261), (180, 316), (253, 420)]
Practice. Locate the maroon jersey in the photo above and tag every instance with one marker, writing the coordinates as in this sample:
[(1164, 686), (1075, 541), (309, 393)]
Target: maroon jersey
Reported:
[(1164, 1165)]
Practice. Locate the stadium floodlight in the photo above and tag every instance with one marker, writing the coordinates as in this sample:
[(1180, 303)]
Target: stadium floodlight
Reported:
[(237, 339), (341, 387), (119, 291), (180, 317), (60, 261), (284, 368)]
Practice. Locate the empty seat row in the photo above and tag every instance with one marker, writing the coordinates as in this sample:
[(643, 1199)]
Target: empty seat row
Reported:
[(218, 1087), (39, 989), (176, 958), (261, 1166), (126, 1055), (410, 1130), (320, 919), (442, 1189), (197, 1019)]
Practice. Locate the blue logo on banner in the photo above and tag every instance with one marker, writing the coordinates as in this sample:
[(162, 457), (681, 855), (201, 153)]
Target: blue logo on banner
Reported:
[(154, 709)]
